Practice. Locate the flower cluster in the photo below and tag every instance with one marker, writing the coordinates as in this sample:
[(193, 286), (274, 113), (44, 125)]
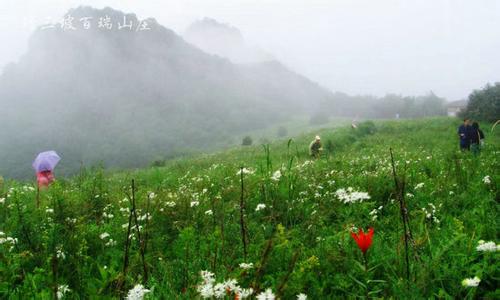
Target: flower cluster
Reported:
[(349, 195), (276, 175), (137, 293), (430, 213), (7, 240), (471, 282), (260, 206), (62, 290), (487, 179), (374, 213), (245, 171), (266, 295), (246, 266), (208, 288), (487, 246)]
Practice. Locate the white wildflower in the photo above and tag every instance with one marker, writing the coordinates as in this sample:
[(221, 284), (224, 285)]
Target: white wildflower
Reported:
[(137, 293), (231, 285), (301, 296), (246, 266), (276, 175), (219, 291), (104, 235), (266, 295), (351, 196), (244, 293), (245, 171), (419, 186), (471, 282), (62, 290), (195, 203), (49, 210), (60, 254), (170, 204), (487, 179), (209, 212), (151, 195), (260, 206), (111, 243), (487, 246), (2, 200)]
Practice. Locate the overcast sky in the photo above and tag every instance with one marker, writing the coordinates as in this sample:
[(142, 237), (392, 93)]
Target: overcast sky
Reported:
[(355, 46)]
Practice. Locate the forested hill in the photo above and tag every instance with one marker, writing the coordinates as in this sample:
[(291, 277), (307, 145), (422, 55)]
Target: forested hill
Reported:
[(126, 96)]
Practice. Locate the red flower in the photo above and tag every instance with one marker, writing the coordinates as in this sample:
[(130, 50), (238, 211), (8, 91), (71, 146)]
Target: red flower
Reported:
[(364, 240)]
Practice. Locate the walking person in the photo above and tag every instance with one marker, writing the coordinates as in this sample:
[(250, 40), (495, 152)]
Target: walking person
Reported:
[(476, 138), (464, 135)]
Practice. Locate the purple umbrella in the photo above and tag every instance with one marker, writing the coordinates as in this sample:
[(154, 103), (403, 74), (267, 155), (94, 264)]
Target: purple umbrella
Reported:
[(46, 161)]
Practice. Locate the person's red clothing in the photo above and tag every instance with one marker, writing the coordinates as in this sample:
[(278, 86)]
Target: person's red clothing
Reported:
[(44, 178)]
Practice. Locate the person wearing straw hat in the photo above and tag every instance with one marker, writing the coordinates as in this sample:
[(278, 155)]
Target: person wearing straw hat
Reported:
[(315, 147)]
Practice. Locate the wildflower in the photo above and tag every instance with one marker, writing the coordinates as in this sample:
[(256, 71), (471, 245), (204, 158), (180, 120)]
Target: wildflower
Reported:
[(62, 290), (151, 195), (276, 176), (208, 277), (363, 240), (71, 220), (487, 179), (243, 293), (487, 246), (471, 282), (266, 295), (195, 203), (2, 200), (206, 291), (349, 195), (419, 186), (106, 215), (230, 285), (209, 212), (49, 210), (219, 290), (104, 235), (170, 203), (246, 266), (301, 296), (137, 293), (111, 243), (245, 171), (60, 254), (260, 206)]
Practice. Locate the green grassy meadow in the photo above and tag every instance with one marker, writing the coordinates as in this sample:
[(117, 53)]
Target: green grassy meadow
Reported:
[(284, 224)]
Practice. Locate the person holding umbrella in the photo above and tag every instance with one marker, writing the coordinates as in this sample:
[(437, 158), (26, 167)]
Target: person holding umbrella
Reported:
[(44, 165)]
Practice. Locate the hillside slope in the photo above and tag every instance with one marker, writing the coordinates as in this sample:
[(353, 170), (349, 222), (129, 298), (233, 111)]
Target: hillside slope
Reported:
[(297, 218)]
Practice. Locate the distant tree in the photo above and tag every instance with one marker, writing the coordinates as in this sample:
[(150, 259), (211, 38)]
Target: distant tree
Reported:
[(484, 104), (282, 131), (247, 141)]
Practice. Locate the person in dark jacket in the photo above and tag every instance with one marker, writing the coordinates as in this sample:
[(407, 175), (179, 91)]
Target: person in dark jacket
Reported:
[(476, 138), (464, 135)]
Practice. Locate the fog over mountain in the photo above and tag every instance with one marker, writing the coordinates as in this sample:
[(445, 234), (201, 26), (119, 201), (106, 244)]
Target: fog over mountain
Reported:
[(224, 40), (127, 97)]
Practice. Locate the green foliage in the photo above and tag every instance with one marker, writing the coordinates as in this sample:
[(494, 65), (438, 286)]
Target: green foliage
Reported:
[(298, 229), (484, 104)]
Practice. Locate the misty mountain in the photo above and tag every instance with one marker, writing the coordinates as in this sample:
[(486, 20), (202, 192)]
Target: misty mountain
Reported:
[(225, 41), (126, 96)]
